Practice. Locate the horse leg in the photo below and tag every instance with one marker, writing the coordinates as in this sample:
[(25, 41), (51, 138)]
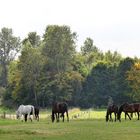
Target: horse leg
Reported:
[(138, 115), (53, 116), (63, 116), (111, 117), (119, 117), (106, 117), (25, 117), (128, 116), (131, 115), (67, 116), (30, 117), (37, 117), (57, 119), (125, 116)]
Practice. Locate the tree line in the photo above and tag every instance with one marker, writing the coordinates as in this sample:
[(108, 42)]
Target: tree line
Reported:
[(38, 70)]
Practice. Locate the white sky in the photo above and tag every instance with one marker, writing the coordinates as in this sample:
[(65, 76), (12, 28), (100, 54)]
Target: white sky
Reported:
[(112, 24)]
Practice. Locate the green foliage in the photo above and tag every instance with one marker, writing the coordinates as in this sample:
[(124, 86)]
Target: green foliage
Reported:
[(133, 77), (124, 89), (112, 58), (59, 47), (91, 54), (99, 84), (30, 65), (50, 68), (88, 47), (79, 65), (9, 47), (33, 38)]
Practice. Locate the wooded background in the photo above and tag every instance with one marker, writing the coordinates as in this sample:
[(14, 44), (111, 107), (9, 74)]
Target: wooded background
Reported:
[(38, 70)]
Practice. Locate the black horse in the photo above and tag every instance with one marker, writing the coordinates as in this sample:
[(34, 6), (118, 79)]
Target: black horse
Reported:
[(59, 108), (111, 109), (36, 113), (128, 108)]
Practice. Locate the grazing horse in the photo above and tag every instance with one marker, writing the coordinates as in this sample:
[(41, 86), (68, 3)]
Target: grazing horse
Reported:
[(59, 108), (129, 108), (37, 113), (25, 110), (111, 109)]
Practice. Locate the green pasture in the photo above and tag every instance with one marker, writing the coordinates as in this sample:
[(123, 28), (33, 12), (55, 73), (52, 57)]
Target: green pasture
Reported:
[(83, 125)]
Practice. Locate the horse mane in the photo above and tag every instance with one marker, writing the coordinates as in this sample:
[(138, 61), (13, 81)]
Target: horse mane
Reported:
[(121, 107)]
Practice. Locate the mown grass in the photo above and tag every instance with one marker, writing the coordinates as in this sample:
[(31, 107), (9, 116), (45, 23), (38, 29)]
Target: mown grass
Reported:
[(90, 125)]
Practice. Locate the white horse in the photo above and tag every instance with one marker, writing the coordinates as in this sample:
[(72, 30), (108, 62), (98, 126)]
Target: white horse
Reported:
[(25, 111)]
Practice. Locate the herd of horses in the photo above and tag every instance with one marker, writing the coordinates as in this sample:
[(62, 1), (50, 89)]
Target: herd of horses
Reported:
[(126, 108), (58, 110)]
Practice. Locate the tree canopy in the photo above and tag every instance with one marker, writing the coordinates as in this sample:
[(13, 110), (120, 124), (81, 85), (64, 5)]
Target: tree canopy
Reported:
[(50, 68)]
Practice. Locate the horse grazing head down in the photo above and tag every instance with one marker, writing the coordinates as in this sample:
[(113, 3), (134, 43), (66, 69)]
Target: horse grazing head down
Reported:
[(126, 108), (25, 110), (18, 114), (111, 109), (19, 111), (59, 108)]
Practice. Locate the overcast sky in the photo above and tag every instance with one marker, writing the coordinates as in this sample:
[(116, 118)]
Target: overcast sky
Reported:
[(112, 24)]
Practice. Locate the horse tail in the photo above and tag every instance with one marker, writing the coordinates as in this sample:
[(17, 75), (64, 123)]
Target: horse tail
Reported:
[(66, 110), (52, 116), (33, 111), (67, 115)]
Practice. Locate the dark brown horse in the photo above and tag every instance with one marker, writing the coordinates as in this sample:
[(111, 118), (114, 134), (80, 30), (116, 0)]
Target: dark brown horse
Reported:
[(128, 108), (59, 108), (37, 113), (111, 109)]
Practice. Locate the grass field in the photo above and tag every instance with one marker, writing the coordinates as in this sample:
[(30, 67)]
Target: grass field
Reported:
[(87, 125)]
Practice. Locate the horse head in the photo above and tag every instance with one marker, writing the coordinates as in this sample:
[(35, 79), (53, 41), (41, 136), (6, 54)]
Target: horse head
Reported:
[(18, 115), (120, 110)]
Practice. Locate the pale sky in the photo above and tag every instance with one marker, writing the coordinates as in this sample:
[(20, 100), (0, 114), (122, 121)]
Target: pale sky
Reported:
[(112, 24)]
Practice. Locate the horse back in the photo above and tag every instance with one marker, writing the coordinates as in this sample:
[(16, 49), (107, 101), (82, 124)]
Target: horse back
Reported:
[(63, 107), (26, 109), (137, 107), (129, 108), (59, 107), (112, 108)]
